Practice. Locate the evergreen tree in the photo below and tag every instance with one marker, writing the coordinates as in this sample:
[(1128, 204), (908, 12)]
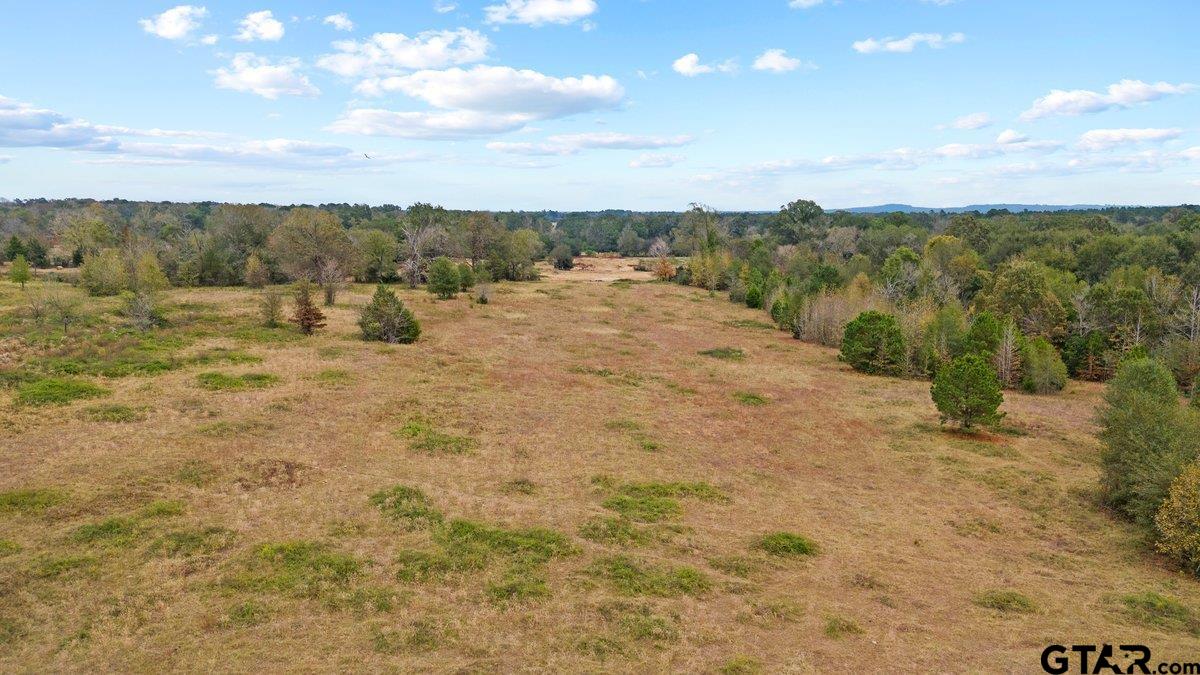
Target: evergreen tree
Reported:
[(873, 343), (306, 315), (386, 319), (19, 274), (443, 278), (967, 391)]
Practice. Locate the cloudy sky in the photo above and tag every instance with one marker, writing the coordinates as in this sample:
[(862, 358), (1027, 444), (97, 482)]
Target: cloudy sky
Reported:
[(583, 104)]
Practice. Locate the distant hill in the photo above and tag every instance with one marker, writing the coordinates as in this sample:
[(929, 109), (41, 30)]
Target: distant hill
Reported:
[(982, 208)]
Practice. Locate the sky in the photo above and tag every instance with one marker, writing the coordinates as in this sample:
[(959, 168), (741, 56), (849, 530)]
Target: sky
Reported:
[(592, 104)]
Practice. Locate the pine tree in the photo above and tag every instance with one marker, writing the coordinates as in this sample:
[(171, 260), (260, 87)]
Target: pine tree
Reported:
[(443, 278), (967, 391), (19, 274), (307, 316), (386, 319)]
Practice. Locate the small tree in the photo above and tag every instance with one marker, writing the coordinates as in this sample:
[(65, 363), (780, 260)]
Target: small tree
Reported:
[(141, 308), (331, 276), (663, 269), (561, 257), (255, 274), (104, 273), (1178, 519), (1043, 371), (148, 276), (967, 391), (1007, 358), (271, 308), (20, 274), (306, 315), (443, 278), (466, 277), (386, 319), (872, 343)]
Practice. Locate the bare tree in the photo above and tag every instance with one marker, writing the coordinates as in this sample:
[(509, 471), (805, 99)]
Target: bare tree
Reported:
[(421, 229), (1008, 357), (331, 277)]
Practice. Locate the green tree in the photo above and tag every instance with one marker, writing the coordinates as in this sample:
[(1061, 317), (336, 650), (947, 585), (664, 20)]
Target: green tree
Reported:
[(629, 243), (444, 280), (799, 221), (984, 335), (14, 248), (308, 241), (1178, 519), (562, 258), (104, 273), (1021, 291), (873, 343), (377, 251), (967, 391), (386, 319), (256, 274), (19, 272), (466, 277), (271, 308), (1042, 369), (1148, 438)]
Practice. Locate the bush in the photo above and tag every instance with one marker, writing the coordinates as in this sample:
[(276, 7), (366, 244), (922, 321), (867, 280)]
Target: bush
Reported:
[(386, 319), (1042, 369), (1178, 519), (967, 391), (255, 274), (562, 258), (306, 315), (466, 277), (872, 343), (104, 274), (444, 281), (271, 308), (754, 297), (1148, 438)]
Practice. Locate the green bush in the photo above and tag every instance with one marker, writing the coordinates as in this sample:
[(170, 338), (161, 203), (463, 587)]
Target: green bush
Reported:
[(562, 258), (1178, 519), (57, 391), (386, 319), (967, 391), (873, 343), (787, 544), (1042, 369), (754, 297), (224, 382), (466, 277), (104, 273), (444, 280), (1148, 438)]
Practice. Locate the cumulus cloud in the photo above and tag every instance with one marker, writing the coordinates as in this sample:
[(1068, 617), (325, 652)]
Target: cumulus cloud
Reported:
[(339, 21), (442, 125), (25, 126), (539, 12), (777, 61), (970, 122), (177, 23), (260, 26), (570, 144), (1106, 139), (1123, 94), (259, 75), (443, 7), (649, 160), (1010, 136), (689, 65), (392, 53), (907, 44)]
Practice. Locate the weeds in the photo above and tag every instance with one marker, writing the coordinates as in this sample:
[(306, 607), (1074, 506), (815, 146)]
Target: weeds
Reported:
[(57, 391), (1007, 602), (786, 544), (424, 438), (213, 381), (631, 577), (406, 505), (725, 353)]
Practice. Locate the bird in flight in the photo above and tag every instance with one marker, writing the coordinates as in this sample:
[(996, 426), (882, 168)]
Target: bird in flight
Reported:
[(366, 155)]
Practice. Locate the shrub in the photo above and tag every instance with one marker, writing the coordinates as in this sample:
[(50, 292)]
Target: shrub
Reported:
[(444, 281), (255, 274), (57, 391), (19, 272), (306, 314), (104, 273), (967, 391), (872, 343), (271, 308), (1178, 519), (223, 382), (754, 297), (1148, 438), (1042, 369), (466, 277), (386, 319), (562, 258), (664, 270)]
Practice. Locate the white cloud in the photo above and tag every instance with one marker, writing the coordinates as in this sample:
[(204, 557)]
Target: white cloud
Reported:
[(445, 125), (1010, 136), (970, 122), (1194, 183), (907, 44), (777, 61), (443, 7), (209, 40), (391, 53), (804, 4), (260, 26), (259, 75), (689, 65), (339, 21), (24, 126), (652, 161), (1123, 94), (539, 12), (504, 90), (570, 144), (176, 23), (1106, 139)]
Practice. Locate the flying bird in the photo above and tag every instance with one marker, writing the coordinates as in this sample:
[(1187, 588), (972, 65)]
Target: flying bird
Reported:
[(366, 155)]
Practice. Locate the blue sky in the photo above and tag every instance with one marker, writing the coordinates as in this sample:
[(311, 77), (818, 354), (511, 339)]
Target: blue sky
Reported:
[(583, 104)]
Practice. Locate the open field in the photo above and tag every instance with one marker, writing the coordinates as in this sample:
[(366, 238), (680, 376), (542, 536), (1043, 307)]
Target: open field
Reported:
[(594, 493)]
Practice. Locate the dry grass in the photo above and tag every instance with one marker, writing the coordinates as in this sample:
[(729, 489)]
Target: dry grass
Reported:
[(235, 530)]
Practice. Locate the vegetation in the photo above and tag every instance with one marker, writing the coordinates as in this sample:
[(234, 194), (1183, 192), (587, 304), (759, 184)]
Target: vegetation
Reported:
[(874, 344), (444, 280), (967, 391), (386, 319), (307, 317)]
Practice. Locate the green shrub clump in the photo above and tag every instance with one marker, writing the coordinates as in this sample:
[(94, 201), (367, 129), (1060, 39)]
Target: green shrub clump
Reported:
[(873, 343), (57, 391), (1178, 519), (1042, 369), (967, 391), (444, 280), (386, 319), (1148, 436)]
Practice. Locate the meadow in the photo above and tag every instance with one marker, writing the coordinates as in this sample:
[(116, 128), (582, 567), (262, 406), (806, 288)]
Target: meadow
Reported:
[(592, 472)]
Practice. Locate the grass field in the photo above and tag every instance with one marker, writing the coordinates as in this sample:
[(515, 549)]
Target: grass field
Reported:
[(560, 480)]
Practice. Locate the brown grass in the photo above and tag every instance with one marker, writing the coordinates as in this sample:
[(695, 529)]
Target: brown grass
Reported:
[(912, 524)]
